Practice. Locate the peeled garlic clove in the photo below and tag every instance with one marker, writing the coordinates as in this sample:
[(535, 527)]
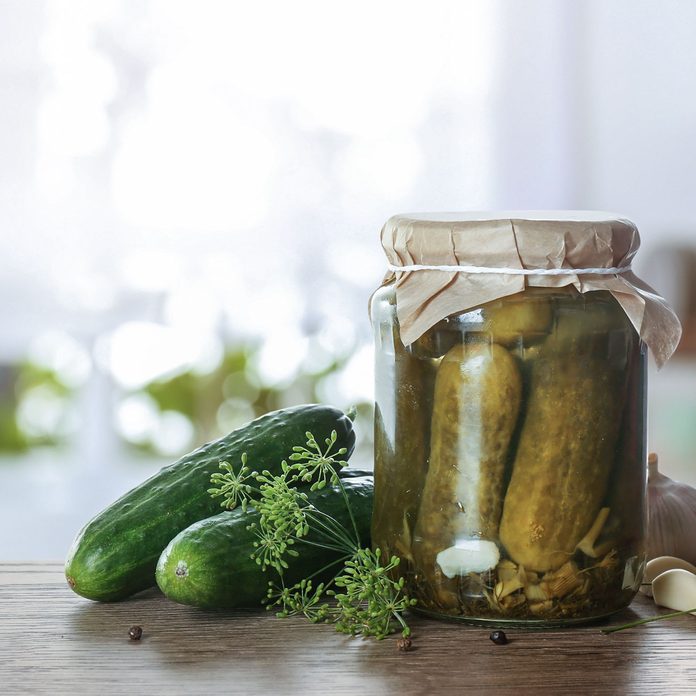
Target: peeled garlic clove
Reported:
[(468, 556), (675, 589), (671, 516), (658, 566)]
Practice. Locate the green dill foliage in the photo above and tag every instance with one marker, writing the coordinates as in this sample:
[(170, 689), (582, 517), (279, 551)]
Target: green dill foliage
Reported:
[(300, 599), (231, 486), (366, 599), (313, 464), (371, 600)]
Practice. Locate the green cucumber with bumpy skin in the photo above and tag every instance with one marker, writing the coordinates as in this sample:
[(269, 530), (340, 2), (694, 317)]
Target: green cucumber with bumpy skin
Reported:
[(115, 554), (209, 564)]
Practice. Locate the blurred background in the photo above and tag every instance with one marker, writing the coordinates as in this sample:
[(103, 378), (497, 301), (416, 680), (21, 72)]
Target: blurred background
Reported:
[(191, 196)]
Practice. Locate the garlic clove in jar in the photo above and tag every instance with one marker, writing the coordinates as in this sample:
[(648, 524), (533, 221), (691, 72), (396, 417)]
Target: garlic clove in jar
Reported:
[(468, 556), (671, 516), (659, 565), (675, 589)]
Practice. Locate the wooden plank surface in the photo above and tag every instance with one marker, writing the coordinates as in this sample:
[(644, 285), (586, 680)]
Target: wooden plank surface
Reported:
[(52, 641)]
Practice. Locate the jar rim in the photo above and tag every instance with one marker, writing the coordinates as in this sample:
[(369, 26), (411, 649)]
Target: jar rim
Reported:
[(591, 216)]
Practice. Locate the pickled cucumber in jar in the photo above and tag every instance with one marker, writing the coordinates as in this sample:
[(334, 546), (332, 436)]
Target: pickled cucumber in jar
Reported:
[(625, 528), (402, 425), (522, 318), (568, 439), (475, 408)]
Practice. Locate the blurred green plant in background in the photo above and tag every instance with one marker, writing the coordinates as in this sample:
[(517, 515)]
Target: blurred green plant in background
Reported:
[(11, 437), (224, 399), (40, 406), (35, 407)]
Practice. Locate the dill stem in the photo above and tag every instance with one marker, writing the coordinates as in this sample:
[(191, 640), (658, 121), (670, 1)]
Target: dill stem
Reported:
[(327, 566), (350, 512), (640, 622), (330, 547), (333, 528)]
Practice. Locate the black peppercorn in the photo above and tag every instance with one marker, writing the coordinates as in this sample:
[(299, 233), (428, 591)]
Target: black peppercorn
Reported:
[(135, 632), (498, 637), (404, 644)]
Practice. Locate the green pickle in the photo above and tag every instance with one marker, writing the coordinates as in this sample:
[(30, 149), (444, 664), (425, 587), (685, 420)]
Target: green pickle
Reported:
[(477, 397), (515, 435), (512, 319), (402, 425), (567, 445), (625, 529)]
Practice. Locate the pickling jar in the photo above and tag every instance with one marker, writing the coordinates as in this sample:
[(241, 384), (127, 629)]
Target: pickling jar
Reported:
[(510, 438)]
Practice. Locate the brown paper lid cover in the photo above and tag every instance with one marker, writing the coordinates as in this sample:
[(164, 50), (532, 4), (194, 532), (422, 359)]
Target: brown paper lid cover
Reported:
[(505, 252)]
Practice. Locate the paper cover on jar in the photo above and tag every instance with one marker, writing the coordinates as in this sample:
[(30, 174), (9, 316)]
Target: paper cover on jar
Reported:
[(448, 263)]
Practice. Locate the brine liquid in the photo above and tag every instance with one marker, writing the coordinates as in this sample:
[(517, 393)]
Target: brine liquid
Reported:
[(510, 462)]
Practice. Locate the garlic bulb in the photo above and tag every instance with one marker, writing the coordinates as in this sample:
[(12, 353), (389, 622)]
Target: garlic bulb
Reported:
[(671, 516)]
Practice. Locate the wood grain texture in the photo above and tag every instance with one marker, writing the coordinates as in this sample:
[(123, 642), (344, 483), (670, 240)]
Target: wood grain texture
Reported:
[(52, 641)]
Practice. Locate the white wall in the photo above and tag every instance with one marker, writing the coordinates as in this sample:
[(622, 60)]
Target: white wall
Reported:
[(186, 164)]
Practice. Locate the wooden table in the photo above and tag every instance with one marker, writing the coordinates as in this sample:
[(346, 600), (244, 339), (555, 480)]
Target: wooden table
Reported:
[(52, 641)]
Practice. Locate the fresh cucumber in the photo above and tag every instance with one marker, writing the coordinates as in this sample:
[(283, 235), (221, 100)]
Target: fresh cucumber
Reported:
[(115, 555), (209, 564)]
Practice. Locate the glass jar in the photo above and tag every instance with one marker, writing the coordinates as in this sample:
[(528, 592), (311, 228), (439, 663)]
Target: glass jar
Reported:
[(510, 456)]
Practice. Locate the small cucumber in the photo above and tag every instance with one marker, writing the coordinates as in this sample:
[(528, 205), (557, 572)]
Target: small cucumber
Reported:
[(209, 564), (567, 445), (475, 408), (115, 555)]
